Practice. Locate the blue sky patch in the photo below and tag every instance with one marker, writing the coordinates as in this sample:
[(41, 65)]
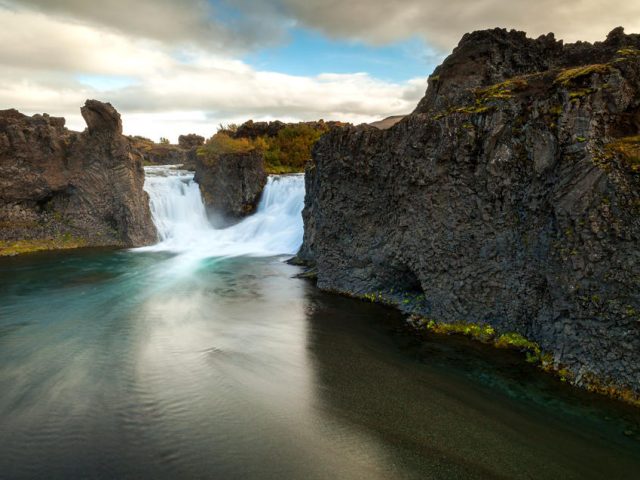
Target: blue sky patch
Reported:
[(308, 53)]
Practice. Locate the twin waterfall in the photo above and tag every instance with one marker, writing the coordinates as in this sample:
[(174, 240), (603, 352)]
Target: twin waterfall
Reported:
[(180, 218)]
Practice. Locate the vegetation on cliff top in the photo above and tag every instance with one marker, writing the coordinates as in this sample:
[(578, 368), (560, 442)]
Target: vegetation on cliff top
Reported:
[(566, 77), (286, 152)]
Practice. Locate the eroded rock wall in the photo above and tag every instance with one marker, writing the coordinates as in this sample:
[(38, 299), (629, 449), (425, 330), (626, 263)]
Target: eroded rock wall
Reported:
[(510, 197), (231, 184), (66, 188)]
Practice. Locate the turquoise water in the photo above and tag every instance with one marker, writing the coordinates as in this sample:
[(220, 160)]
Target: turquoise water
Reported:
[(121, 364), (204, 357)]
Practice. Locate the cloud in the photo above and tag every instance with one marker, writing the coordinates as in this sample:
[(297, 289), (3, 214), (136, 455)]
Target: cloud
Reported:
[(182, 22), (53, 64), (443, 22), (172, 66), (225, 25)]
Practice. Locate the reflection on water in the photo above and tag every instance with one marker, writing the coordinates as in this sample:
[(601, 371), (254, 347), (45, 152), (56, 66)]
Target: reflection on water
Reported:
[(130, 365)]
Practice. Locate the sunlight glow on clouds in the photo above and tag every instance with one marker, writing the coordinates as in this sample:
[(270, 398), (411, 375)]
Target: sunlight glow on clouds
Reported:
[(52, 65)]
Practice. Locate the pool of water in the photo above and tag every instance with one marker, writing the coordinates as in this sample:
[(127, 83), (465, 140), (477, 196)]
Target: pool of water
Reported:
[(129, 364)]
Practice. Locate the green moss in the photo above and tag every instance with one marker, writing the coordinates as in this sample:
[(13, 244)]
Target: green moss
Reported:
[(582, 92), (533, 354), (515, 340), (18, 247), (484, 333), (628, 52), (627, 149), (567, 77), (477, 108), (487, 334), (502, 90)]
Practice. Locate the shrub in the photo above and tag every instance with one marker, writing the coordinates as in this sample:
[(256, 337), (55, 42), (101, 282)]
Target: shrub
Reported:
[(284, 153), (221, 143)]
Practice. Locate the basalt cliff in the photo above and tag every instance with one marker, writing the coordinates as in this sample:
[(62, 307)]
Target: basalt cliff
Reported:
[(509, 198), (64, 189), (231, 185)]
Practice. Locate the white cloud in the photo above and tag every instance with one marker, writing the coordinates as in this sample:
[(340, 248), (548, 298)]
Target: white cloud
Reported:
[(171, 67), (193, 22), (160, 93), (443, 22)]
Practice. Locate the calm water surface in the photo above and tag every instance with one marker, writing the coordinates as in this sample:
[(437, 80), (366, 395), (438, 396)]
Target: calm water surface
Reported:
[(137, 365)]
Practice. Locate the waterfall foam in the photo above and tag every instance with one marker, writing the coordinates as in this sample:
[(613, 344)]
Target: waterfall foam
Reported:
[(179, 215)]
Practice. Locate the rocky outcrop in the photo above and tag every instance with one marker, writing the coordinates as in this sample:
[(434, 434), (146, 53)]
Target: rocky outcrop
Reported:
[(62, 189), (231, 184), (510, 197), (190, 141), (184, 153)]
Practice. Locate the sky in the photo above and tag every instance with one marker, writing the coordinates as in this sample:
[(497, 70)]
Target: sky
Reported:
[(187, 66)]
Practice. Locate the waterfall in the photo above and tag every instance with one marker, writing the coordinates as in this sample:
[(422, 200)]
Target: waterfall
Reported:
[(180, 218)]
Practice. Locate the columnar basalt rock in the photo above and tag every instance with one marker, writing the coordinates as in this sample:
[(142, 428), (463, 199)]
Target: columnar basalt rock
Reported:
[(231, 184), (62, 189), (510, 197)]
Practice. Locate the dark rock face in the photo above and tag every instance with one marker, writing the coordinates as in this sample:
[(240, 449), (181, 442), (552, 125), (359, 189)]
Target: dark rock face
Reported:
[(231, 185), (515, 204), (56, 183)]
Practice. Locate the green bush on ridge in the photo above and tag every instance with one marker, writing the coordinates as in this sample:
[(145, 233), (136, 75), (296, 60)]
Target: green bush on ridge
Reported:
[(286, 152)]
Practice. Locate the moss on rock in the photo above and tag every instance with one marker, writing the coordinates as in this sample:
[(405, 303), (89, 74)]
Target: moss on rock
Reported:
[(62, 242)]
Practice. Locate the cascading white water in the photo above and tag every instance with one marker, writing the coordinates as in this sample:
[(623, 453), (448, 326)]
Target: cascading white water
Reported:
[(179, 215)]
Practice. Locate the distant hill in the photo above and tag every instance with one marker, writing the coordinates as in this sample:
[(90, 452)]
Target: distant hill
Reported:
[(387, 122)]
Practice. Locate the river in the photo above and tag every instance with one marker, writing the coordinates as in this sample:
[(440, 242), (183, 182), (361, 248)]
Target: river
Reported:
[(205, 357)]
